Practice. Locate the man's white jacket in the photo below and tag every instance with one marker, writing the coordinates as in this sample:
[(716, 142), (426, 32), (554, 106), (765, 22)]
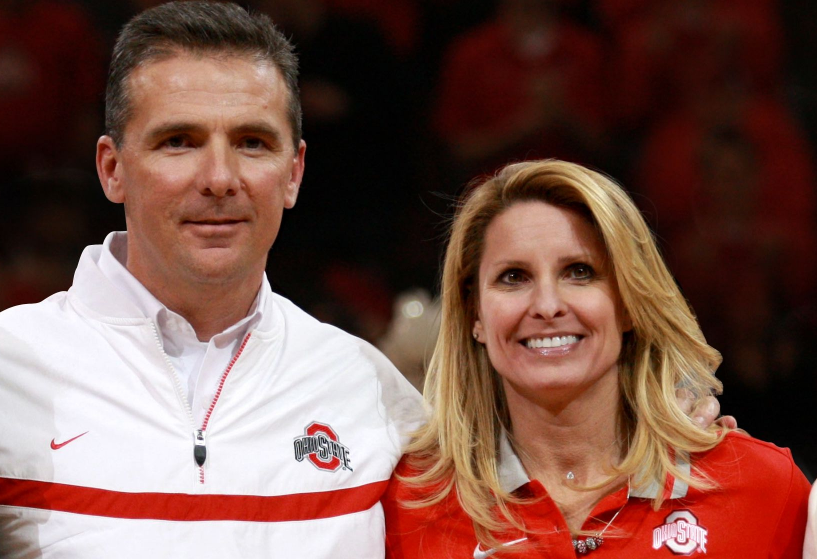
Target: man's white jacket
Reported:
[(98, 449)]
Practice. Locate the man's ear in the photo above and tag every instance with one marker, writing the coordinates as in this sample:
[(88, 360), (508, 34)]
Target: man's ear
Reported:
[(295, 178), (109, 169)]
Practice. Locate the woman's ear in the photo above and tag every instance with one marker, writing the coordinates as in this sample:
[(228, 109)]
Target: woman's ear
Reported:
[(478, 332)]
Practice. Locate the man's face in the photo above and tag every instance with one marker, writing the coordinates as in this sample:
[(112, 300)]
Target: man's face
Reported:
[(205, 169)]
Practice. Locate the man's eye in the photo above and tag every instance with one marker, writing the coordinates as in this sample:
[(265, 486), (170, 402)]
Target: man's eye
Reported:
[(252, 143), (512, 277), (176, 142), (581, 272)]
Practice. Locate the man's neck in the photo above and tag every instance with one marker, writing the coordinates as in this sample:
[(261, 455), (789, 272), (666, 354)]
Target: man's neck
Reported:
[(210, 308)]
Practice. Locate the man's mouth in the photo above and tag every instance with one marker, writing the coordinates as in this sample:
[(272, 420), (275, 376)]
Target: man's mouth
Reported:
[(214, 221), (214, 228)]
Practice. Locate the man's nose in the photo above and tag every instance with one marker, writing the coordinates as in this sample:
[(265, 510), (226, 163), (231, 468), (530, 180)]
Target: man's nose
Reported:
[(219, 174)]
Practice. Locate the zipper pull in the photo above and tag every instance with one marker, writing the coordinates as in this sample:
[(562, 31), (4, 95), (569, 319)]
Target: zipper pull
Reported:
[(199, 450)]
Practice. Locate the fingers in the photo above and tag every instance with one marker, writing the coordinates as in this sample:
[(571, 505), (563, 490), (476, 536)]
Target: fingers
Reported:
[(728, 422), (685, 400), (706, 411)]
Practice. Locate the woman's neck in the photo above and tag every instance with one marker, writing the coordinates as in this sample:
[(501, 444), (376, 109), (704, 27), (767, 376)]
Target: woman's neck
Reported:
[(571, 445)]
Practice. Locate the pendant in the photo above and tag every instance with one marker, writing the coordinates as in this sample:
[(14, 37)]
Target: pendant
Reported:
[(582, 547)]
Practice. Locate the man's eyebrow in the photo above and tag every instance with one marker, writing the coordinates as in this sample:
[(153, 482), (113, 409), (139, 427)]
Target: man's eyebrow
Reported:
[(250, 128), (258, 129), (174, 128)]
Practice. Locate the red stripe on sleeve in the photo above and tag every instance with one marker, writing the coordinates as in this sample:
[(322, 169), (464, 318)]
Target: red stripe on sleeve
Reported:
[(184, 507)]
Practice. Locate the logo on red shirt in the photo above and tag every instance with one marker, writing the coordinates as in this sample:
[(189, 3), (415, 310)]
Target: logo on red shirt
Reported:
[(681, 533), (322, 447)]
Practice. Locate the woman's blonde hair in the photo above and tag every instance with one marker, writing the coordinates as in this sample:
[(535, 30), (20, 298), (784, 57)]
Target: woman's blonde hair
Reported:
[(458, 448)]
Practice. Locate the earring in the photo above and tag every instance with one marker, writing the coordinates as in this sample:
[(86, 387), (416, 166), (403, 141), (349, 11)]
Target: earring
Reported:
[(476, 337)]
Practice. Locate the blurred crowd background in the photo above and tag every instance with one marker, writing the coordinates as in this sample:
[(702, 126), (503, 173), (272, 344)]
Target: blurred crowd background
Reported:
[(705, 110)]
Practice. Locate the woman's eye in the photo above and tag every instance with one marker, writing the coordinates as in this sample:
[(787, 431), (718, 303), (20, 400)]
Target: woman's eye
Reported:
[(581, 272), (512, 277)]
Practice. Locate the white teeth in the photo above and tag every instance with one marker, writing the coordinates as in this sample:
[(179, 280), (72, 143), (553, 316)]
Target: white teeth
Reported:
[(555, 341)]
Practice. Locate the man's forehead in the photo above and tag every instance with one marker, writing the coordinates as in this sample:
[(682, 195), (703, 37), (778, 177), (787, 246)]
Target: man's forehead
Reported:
[(199, 84)]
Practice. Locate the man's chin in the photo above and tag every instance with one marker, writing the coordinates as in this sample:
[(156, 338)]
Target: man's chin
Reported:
[(217, 265)]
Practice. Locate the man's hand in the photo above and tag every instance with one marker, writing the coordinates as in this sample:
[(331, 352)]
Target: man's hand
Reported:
[(705, 412)]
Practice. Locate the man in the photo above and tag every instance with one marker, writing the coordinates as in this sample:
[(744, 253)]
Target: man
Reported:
[(169, 404)]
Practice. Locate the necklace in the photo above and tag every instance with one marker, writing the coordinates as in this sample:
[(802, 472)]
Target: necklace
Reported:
[(582, 546)]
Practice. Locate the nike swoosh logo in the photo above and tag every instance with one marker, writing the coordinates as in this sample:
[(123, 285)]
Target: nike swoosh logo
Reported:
[(484, 554), (56, 446)]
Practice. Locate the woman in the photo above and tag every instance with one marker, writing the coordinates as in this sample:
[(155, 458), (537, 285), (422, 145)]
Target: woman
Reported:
[(555, 430)]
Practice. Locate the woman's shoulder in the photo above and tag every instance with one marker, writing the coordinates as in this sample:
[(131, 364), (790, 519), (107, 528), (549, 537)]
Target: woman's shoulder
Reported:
[(754, 471), (400, 488), (405, 490), (414, 531), (758, 490), (750, 458)]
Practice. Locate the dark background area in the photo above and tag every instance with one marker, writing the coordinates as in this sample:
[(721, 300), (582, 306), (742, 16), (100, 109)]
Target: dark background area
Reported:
[(705, 110)]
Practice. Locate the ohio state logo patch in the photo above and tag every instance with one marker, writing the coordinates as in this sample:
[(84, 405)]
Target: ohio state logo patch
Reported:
[(321, 446), (681, 533)]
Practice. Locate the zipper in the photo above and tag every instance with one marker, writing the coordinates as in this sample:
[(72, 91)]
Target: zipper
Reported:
[(199, 446), (199, 435), (175, 377)]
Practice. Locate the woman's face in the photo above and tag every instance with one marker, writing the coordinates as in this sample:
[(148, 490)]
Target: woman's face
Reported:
[(549, 312)]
